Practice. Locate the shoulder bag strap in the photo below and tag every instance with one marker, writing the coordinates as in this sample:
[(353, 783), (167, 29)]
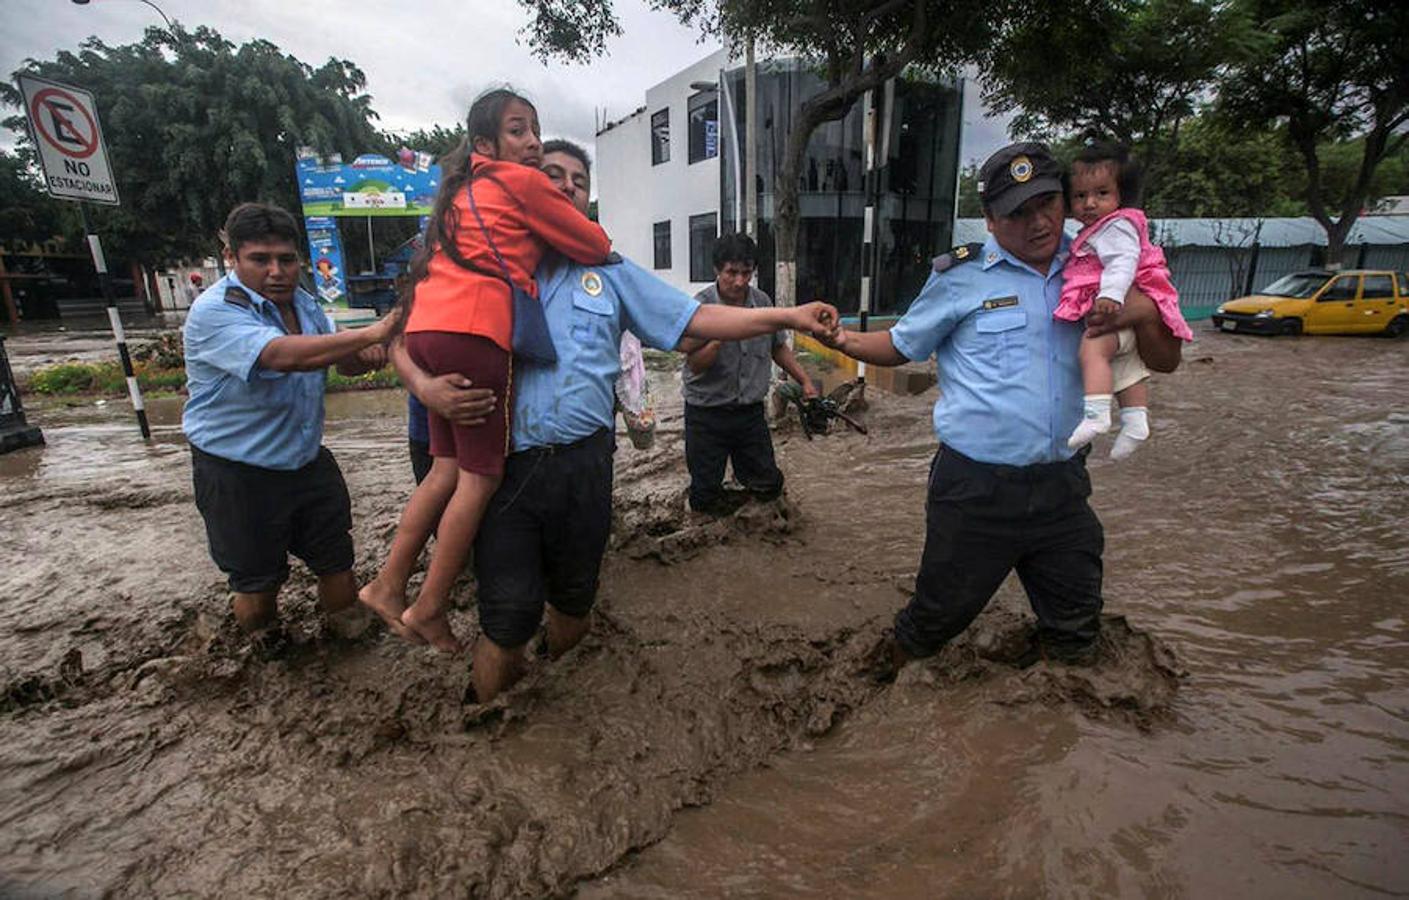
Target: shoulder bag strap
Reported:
[(474, 208)]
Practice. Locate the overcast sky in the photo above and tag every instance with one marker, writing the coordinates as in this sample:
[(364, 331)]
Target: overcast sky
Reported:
[(424, 61)]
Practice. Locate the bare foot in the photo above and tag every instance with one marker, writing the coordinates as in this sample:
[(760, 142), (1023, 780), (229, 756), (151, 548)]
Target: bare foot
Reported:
[(434, 630), (388, 604)]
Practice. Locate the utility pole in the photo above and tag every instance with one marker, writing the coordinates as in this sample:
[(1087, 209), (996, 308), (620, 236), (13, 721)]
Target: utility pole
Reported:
[(750, 141)]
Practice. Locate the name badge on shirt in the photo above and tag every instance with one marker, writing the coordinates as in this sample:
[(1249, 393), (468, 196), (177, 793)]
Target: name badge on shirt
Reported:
[(1000, 302)]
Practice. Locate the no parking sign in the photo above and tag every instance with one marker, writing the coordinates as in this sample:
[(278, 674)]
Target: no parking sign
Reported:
[(64, 122)]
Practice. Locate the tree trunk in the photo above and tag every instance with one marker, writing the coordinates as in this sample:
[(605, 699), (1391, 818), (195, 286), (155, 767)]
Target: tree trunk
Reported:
[(1336, 233), (830, 105), (787, 215)]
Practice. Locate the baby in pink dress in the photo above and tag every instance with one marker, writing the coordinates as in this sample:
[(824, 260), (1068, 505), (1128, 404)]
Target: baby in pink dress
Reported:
[(1111, 255)]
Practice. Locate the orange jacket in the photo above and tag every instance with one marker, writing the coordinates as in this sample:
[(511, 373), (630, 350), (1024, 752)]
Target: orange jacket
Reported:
[(526, 215)]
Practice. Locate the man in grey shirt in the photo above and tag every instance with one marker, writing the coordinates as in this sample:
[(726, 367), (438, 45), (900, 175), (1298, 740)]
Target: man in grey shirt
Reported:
[(725, 384)]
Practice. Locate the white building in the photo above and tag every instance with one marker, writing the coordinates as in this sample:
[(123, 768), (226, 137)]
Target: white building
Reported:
[(657, 177), (668, 179)]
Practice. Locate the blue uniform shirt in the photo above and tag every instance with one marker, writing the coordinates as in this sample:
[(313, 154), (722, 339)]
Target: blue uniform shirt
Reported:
[(238, 410), (587, 308), (1009, 376)]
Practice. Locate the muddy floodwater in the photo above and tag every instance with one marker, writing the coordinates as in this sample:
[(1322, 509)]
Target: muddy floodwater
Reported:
[(1245, 732)]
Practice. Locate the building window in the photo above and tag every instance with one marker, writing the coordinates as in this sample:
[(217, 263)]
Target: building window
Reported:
[(703, 113), (703, 230), (662, 240), (660, 137)]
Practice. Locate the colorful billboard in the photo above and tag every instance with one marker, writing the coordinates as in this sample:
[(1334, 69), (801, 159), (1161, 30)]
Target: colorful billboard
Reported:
[(370, 185), (325, 255)]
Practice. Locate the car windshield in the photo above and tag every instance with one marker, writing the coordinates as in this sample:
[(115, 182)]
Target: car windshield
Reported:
[(1296, 285)]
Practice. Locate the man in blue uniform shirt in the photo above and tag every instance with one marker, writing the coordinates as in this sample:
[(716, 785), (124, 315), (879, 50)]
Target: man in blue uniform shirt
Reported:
[(544, 534), (257, 350), (1005, 493)]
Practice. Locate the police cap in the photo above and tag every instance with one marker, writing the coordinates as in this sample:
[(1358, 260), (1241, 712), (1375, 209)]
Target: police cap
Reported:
[(1016, 174)]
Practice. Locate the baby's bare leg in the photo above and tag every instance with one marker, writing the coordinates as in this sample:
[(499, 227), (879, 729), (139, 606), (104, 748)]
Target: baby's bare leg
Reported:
[(1095, 354)]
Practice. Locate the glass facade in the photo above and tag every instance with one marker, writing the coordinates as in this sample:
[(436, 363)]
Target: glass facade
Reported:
[(660, 237), (703, 110), (917, 185), (704, 228), (660, 137)]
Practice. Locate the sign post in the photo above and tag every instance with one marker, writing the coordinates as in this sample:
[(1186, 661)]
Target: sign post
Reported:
[(63, 121)]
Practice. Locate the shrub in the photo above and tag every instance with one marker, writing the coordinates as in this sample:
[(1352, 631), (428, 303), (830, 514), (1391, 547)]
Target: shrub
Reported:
[(65, 378)]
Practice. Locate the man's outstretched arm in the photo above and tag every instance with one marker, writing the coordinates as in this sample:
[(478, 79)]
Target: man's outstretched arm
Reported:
[(874, 347)]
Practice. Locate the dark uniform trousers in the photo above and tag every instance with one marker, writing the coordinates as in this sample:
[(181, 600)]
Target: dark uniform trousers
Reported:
[(737, 433), (983, 521)]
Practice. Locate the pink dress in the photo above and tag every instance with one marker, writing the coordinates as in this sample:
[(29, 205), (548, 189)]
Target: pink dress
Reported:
[(1081, 277)]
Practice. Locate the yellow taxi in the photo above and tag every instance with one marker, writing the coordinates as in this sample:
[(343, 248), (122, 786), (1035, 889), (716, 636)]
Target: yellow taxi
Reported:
[(1320, 301)]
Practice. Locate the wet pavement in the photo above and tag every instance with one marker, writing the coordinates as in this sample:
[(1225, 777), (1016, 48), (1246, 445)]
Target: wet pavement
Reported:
[(1246, 731)]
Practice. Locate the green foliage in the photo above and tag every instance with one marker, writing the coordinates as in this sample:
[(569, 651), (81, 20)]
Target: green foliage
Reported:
[(574, 31), (1326, 73), (106, 378), (1126, 70), (27, 212), (103, 378), (65, 378), (381, 378), (970, 207), (436, 140), (195, 125)]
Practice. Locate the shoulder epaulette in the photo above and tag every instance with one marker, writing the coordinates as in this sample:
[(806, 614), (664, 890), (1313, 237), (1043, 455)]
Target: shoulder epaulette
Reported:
[(960, 254), (612, 259), (237, 296)]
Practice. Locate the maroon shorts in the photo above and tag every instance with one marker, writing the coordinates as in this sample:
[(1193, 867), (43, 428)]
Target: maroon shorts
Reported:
[(480, 448)]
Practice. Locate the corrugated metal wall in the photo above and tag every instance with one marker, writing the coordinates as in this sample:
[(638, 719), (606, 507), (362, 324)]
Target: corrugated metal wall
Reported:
[(1387, 257), (1207, 275)]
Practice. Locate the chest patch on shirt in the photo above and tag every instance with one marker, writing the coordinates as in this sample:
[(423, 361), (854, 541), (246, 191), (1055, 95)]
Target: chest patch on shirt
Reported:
[(592, 283), (1000, 302)]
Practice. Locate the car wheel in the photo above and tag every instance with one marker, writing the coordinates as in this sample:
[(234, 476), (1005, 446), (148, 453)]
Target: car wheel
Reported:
[(1290, 327), (1397, 326)]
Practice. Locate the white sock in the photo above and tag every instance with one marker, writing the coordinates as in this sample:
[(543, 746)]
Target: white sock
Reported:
[(1095, 419), (1134, 431)]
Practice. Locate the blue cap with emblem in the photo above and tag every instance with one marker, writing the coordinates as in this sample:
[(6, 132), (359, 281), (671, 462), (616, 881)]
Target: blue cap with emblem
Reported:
[(1016, 174)]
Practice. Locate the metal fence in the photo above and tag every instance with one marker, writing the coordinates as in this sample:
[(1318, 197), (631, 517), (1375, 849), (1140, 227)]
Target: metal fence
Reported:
[(1208, 276), (1214, 260)]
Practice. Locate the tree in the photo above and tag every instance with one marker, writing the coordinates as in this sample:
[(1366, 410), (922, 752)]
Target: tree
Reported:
[(27, 212), (1216, 170), (436, 140), (969, 206), (1329, 72), (1128, 70), (855, 45), (195, 125)]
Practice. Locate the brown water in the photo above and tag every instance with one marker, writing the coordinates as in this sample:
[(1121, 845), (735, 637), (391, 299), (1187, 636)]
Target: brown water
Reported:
[(717, 734)]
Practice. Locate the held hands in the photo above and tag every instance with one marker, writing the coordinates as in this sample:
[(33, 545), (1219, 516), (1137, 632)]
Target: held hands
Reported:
[(836, 338), (809, 389), (816, 318), (373, 357)]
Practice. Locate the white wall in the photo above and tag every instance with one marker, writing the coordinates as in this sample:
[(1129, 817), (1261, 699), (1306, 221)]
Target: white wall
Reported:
[(632, 194)]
